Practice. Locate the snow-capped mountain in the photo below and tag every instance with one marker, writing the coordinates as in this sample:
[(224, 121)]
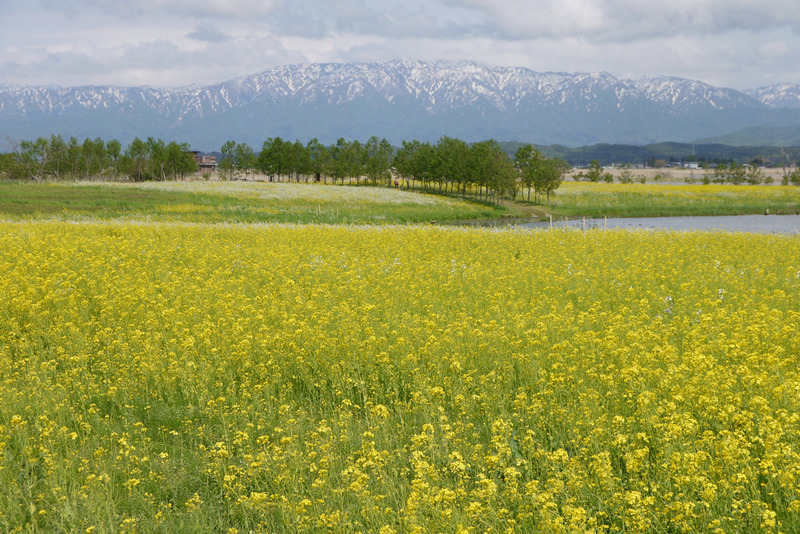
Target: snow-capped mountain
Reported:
[(782, 95), (399, 100)]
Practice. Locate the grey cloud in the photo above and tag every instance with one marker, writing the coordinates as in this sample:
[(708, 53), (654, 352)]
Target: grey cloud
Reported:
[(64, 68), (626, 20), (312, 18), (167, 64), (226, 9), (208, 32), (154, 56)]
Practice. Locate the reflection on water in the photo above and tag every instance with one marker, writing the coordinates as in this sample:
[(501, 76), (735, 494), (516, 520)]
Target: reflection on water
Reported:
[(782, 224)]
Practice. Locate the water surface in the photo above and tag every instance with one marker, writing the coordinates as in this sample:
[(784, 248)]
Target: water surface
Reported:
[(765, 224)]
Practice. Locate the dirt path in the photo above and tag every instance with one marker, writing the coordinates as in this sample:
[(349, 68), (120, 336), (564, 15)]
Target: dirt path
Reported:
[(529, 210)]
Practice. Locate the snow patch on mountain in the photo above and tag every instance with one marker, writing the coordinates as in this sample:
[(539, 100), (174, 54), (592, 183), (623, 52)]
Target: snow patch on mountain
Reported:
[(401, 97), (782, 95)]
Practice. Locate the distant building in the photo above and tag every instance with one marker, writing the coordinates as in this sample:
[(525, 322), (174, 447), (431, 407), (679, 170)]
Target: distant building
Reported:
[(206, 163)]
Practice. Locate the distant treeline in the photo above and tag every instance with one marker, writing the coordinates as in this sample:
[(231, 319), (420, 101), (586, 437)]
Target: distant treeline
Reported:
[(55, 158), (483, 170), (660, 154)]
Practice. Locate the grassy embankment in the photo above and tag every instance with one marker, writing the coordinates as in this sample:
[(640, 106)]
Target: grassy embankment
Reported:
[(247, 202), (237, 202)]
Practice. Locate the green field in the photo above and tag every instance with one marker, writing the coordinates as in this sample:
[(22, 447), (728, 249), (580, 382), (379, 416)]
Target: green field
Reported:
[(655, 200), (249, 202), (237, 202)]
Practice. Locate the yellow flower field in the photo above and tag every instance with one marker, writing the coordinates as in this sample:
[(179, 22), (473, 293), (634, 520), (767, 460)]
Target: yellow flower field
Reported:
[(281, 378)]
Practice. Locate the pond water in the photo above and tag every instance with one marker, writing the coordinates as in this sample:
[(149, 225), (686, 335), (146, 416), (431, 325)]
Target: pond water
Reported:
[(769, 224)]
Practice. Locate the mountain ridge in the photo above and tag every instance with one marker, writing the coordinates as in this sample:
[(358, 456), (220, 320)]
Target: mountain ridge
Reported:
[(402, 100)]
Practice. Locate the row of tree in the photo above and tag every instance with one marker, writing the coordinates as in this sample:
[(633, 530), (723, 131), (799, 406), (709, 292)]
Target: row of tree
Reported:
[(483, 170), (55, 158), (450, 166)]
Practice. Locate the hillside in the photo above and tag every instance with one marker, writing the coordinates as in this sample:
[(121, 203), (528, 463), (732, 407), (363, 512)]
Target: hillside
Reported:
[(785, 136)]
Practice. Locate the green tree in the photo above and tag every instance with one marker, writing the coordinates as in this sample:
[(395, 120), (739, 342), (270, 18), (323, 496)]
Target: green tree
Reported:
[(179, 161), (754, 174), (794, 176), (136, 160), (551, 176), (492, 170), (11, 166), (378, 160), (527, 160), (74, 158), (56, 149), (94, 157), (452, 155), (426, 165), (733, 174), (299, 160), (789, 162), (626, 175), (403, 161), (244, 158), (33, 157), (275, 157), (346, 159), (539, 172), (157, 151), (228, 159), (596, 173), (114, 149), (318, 158)]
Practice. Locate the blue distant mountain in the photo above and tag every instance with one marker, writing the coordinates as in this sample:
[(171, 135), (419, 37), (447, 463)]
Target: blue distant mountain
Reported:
[(401, 100)]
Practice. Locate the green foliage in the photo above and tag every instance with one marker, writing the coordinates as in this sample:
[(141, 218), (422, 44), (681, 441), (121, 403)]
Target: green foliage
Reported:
[(94, 159), (453, 166), (347, 160), (135, 161), (625, 174), (595, 173), (539, 172), (733, 174), (794, 177), (454, 163), (378, 155)]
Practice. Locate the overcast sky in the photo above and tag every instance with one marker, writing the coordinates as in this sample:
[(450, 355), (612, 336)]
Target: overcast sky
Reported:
[(731, 43)]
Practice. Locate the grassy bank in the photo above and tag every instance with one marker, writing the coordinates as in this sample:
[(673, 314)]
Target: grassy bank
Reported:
[(248, 202), (240, 202), (576, 199)]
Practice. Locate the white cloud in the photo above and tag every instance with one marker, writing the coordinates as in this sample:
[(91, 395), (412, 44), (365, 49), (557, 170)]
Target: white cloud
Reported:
[(737, 43), (622, 19), (185, 8)]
